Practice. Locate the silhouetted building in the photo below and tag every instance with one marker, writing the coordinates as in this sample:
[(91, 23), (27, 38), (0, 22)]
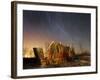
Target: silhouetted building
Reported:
[(38, 52), (33, 62)]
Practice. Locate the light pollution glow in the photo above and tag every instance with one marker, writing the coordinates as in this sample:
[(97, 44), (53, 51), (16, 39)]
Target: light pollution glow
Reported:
[(40, 28)]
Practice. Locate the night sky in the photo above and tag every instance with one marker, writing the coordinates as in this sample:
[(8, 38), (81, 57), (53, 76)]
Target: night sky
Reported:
[(41, 27)]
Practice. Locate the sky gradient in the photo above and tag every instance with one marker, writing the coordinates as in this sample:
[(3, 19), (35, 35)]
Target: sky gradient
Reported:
[(41, 27)]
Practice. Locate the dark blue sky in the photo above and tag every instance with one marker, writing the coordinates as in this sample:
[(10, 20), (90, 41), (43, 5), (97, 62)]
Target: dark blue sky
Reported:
[(41, 27)]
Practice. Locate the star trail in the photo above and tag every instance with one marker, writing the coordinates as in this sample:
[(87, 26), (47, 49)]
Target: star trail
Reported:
[(40, 27)]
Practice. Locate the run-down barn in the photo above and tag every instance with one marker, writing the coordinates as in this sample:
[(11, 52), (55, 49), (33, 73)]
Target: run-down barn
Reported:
[(59, 54)]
